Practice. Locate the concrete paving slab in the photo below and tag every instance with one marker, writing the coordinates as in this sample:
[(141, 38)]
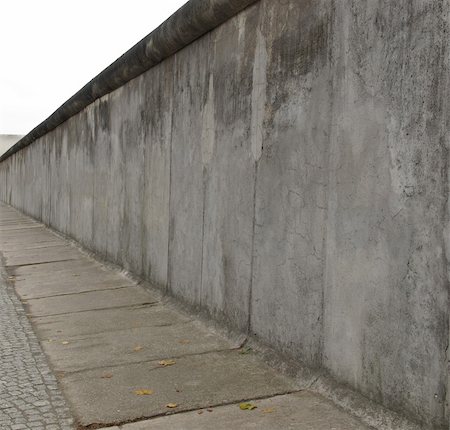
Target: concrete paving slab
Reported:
[(57, 305), (44, 253), (24, 242), (118, 347), (297, 411), (18, 222), (54, 270), (72, 283), (16, 227), (65, 326), (194, 382), (20, 250), (38, 245), (38, 256), (39, 232)]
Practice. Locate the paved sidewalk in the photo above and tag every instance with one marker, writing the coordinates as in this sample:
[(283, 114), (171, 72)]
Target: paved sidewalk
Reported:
[(29, 395), (123, 355)]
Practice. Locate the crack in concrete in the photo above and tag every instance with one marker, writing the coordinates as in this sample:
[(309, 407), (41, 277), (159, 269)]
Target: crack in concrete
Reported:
[(23, 228), (78, 292), (98, 426), (148, 360), (97, 309), (16, 266), (86, 335)]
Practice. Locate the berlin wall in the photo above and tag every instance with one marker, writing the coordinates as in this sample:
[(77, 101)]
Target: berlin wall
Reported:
[(281, 165)]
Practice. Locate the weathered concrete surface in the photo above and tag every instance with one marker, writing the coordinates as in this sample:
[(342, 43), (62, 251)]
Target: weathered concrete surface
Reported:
[(77, 283), (41, 255), (186, 197), (286, 173), (195, 382), (157, 127), (100, 321), (299, 411), (386, 295), (116, 347), (290, 194), (89, 300), (103, 356)]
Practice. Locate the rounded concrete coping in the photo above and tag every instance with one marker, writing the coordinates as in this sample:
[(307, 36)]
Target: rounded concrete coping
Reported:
[(191, 21)]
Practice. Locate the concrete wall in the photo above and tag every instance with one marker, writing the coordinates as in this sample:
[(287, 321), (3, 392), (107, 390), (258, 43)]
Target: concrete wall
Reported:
[(288, 173)]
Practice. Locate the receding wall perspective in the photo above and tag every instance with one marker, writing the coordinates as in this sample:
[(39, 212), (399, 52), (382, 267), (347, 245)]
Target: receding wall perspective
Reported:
[(287, 173)]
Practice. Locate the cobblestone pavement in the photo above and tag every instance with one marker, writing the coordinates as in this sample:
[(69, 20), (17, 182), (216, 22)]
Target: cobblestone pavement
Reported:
[(29, 394)]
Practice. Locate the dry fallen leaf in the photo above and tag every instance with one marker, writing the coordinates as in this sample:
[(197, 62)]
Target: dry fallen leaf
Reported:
[(165, 363), (268, 410), (171, 405), (143, 392), (247, 406), (137, 348), (106, 376), (246, 350), (64, 342)]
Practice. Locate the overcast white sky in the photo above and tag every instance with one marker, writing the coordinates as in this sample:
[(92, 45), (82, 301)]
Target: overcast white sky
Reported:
[(49, 49)]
